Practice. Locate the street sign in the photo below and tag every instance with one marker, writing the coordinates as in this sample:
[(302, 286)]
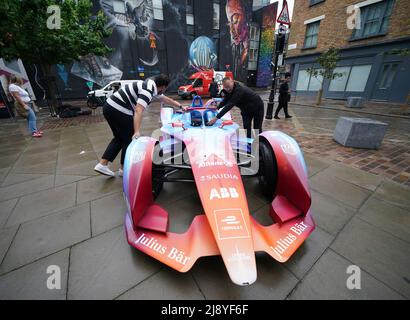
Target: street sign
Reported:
[(282, 29), (284, 17)]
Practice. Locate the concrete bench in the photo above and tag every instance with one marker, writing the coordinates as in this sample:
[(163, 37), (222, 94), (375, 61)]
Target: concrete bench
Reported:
[(360, 132), (355, 102)]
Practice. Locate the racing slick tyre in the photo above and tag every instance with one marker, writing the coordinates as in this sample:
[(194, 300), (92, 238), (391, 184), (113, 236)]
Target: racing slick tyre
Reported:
[(268, 170), (157, 179), (158, 172)]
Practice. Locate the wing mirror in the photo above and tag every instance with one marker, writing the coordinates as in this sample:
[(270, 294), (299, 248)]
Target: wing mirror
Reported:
[(178, 125), (226, 123)]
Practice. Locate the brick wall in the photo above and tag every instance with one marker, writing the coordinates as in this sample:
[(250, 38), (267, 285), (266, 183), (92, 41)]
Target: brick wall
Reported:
[(333, 29)]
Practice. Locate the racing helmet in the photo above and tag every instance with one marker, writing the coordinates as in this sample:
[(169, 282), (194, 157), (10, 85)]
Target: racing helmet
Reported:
[(208, 116), (196, 118)]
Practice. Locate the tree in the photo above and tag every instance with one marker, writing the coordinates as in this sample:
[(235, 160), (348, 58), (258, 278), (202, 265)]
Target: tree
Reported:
[(327, 62), (50, 32)]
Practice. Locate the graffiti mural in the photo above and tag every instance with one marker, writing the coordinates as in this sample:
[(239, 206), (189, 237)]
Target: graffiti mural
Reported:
[(238, 15), (267, 45), (202, 54), (152, 36)]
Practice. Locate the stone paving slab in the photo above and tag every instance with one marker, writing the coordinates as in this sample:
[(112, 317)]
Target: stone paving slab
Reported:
[(30, 282), (384, 256), (107, 213), (340, 190), (354, 176), (42, 237), (43, 203), (394, 193), (45, 167), (28, 187), (274, 280), (315, 165), (327, 281), (97, 187), (105, 267), (14, 178), (392, 219), (6, 207), (165, 285), (310, 251), (6, 237), (329, 214), (62, 179)]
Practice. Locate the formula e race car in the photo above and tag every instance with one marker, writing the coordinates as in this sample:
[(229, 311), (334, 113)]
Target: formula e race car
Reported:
[(217, 157)]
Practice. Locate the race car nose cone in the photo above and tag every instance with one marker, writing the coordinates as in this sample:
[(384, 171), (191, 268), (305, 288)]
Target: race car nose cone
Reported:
[(243, 275)]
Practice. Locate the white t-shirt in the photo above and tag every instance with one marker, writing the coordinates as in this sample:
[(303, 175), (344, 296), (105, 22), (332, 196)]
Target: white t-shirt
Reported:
[(22, 93)]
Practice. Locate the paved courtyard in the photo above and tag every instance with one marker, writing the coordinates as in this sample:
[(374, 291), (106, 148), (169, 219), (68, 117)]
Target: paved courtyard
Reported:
[(55, 210)]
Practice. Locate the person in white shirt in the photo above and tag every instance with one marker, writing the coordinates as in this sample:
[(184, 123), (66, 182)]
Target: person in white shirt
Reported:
[(22, 97), (123, 112)]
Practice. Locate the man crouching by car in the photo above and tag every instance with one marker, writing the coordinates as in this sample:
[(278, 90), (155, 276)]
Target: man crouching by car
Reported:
[(251, 105)]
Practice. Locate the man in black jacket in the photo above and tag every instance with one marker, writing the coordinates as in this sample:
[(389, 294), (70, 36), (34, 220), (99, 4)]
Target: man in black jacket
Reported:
[(284, 93), (251, 105), (213, 89)]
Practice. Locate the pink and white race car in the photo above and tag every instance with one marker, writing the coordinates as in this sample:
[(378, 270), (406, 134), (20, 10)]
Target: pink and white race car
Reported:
[(217, 158)]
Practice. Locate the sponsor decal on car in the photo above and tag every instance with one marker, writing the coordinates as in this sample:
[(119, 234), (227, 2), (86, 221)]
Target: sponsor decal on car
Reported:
[(284, 243), (219, 176), (230, 224), (153, 244)]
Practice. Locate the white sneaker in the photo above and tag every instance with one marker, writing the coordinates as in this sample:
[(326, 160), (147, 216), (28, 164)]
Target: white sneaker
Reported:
[(121, 173), (104, 170)]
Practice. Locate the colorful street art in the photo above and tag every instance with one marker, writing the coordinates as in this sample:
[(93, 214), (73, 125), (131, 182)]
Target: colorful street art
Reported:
[(267, 45), (238, 15), (202, 54)]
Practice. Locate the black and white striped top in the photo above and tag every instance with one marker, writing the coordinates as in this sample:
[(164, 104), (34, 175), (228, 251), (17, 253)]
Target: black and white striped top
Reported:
[(138, 92)]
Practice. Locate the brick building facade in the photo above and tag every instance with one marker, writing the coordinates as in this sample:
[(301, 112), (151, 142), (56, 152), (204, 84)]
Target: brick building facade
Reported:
[(366, 32)]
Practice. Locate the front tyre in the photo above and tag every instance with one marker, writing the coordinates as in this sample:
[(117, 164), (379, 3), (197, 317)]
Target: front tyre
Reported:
[(268, 170)]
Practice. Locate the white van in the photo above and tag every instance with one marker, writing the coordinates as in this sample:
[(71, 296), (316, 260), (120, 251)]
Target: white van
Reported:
[(109, 89)]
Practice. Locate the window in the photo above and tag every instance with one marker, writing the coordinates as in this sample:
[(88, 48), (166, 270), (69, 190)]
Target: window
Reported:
[(313, 2), (118, 6), (216, 16), (303, 81), (197, 83), (388, 74), (358, 78), (306, 82), (354, 79), (312, 31), (374, 20), (158, 10), (339, 84), (190, 20)]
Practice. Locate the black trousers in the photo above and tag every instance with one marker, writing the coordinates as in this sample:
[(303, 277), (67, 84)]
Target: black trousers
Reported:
[(257, 117), (283, 104), (122, 127)]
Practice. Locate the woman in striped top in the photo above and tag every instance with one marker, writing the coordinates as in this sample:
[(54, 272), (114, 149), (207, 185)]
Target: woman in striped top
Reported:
[(123, 112)]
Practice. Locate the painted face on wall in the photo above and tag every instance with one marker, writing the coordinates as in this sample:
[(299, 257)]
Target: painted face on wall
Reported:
[(235, 13)]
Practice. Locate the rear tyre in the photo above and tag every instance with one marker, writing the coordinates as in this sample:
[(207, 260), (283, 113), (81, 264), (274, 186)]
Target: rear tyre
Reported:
[(158, 172), (268, 170), (157, 179)]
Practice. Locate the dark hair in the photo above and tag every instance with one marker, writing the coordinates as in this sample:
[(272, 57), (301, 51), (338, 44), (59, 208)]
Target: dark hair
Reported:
[(288, 75), (162, 80), (226, 79)]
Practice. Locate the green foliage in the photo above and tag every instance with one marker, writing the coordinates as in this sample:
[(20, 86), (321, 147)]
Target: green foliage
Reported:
[(24, 32), (327, 62), (400, 52)]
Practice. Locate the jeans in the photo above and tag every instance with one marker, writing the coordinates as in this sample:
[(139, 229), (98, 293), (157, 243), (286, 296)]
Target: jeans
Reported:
[(257, 118), (32, 120), (122, 127)]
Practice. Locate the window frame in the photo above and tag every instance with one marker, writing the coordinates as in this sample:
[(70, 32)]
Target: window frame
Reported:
[(309, 25), (386, 5)]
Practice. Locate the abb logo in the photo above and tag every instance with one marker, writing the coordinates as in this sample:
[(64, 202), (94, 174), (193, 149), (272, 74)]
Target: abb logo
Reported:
[(224, 193)]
